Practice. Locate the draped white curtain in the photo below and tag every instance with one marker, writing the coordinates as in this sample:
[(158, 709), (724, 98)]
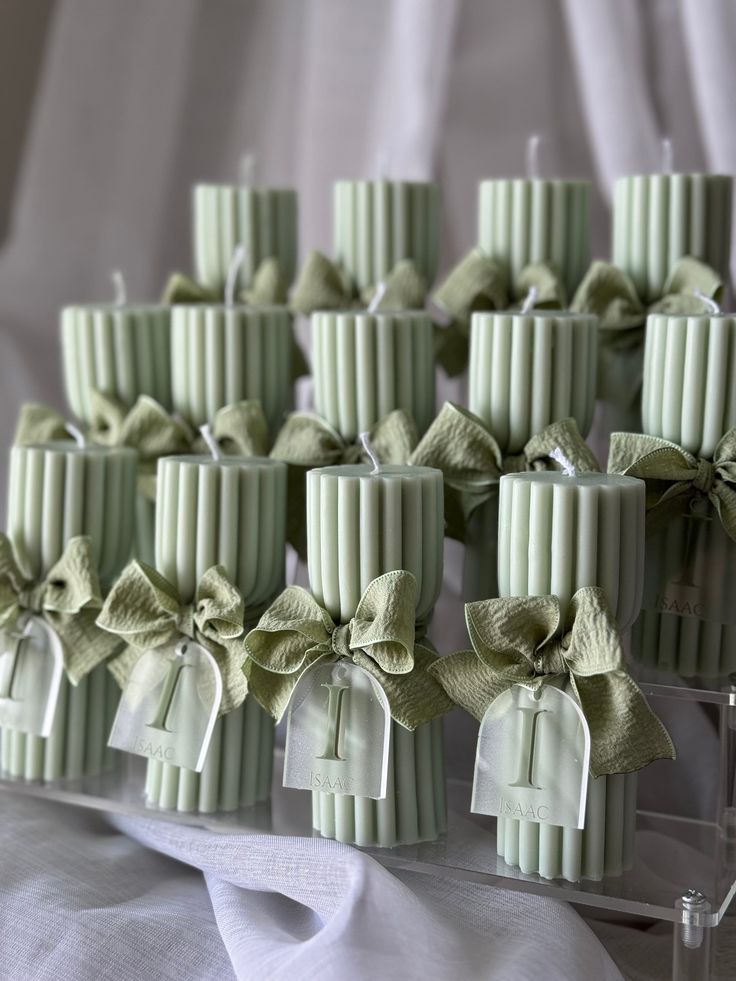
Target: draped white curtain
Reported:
[(135, 101)]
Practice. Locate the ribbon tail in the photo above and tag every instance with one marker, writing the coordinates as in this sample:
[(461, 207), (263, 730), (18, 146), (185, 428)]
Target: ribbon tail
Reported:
[(414, 698), (272, 691), (468, 681), (85, 645)]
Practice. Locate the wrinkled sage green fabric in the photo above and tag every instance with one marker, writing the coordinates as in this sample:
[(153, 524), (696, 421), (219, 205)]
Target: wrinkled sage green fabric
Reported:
[(296, 631), (522, 640)]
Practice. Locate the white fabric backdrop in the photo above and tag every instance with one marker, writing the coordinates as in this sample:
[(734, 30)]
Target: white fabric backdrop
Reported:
[(135, 102)]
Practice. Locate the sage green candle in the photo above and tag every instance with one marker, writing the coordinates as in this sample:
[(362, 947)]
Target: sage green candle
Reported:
[(689, 395), (659, 218), (378, 223), (558, 533), (366, 365), (359, 526), (56, 492), (122, 351), (264, 220), (522, 222), (226, 354), (229, 512), (528, 370)]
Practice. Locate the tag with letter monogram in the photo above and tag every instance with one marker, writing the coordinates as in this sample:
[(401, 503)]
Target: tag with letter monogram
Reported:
[(532, 758), (169, 705), (339, 727), (31, 668)]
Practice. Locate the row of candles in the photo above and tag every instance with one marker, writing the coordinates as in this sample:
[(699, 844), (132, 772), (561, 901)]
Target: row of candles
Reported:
[(558, 532)]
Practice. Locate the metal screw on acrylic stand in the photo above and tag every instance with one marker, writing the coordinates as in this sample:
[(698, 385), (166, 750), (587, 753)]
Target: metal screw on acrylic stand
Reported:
[(691, 948)]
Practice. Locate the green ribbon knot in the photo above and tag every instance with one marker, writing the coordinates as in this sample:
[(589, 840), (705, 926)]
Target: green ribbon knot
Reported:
[(610, 294), (524, 640), (675, 479), (68, 598), (296, 631), (145, 611), (460, 445)]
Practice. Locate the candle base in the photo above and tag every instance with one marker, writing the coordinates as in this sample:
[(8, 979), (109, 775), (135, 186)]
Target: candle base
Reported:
[(414, 808), (237, 771), (605, 846), (77, 746)]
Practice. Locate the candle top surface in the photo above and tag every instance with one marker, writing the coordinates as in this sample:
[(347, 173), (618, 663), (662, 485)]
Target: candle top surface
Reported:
[(366, 470), (664, 315), (586, 479), (197, 459), (256, 188), (377, 314), (180, 309), (385, 180), (68, 446), (536, 314), (678, 173), (560, 181), (117, 307)]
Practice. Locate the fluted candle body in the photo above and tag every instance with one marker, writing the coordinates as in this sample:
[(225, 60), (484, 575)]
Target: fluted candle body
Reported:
[(378, 223), (222, 355), (232, 513), (360, 526), (523, 222), (659, 218), (366, 365), (264, 220), (56, 492)]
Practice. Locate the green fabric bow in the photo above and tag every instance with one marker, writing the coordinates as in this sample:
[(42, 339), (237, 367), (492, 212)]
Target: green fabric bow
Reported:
[(523, 640), (460, 445), (326, 285), (479, 283), (68, 599), (307, 441), (145, 610), (610, 294), (675, 478), (296, 631)]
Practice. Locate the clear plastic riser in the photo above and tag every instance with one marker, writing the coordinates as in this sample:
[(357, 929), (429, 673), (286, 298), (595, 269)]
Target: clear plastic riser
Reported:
[(684, 870)]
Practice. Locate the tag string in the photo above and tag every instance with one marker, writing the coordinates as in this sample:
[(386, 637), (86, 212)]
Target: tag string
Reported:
[(365, 441)]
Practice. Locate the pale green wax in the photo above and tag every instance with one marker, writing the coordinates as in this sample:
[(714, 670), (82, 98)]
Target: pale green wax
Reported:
[(529, 370), (121, 351), (659, 218), (360, 525), (264, 220), (378, 223), (366, 365), (522, 222), (222, 355), (689, 395)]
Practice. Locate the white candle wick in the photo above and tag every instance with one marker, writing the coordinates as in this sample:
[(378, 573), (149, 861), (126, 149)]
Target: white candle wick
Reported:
[(712, 305), (118, 285), (365, 440), (667, 155), (378, 296), (76, 434), (233, 271), (247, 168), (382, 162), (212, 445), (568, 468), (529, 300), (532, 156)]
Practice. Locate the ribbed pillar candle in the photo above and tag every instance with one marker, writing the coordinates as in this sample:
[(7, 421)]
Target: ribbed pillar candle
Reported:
[(121, 351), (521, 222), (359, 526), (229, 512), (378, 223), (264, 220), (224, 354), (689, 395), (659, 218), (365, 365), (56, 492), (530, 369), (556, 534)]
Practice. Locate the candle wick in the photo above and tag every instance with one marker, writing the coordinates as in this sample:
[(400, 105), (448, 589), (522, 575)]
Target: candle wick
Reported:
[(365, 440), (233, 271), (247, 168), (667, 162), (529, 300), (76, 434), (382, 162), (118, 285), (378, 296), (212, 445), (532, 156), (712, 305), (568, 468)]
